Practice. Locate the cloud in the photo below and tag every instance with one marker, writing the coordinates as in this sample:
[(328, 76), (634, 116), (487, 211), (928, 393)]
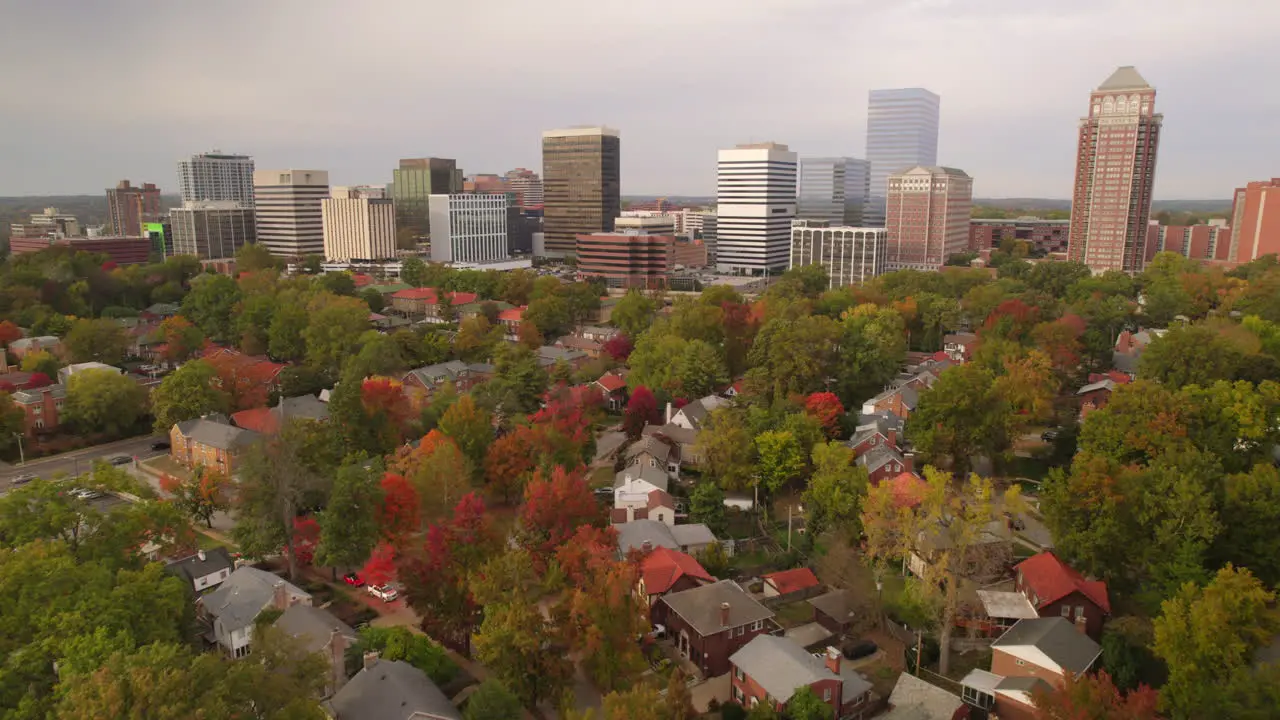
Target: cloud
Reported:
[(94, 92)]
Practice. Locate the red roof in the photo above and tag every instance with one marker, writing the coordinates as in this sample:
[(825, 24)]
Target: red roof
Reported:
[(660, 498), (462, 298), (512, 315), (790, 581), (257, 419), (1051, 580), (611, 382), (663, 567), (941, 355), (428, 294), (361, 279), (908, 489)]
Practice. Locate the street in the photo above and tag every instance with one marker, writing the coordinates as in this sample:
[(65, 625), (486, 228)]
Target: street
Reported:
[(79, 461)]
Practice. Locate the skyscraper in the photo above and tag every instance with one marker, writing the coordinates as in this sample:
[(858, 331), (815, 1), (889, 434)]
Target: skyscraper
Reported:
[(216, 176), (469, 227), (359, 224), (1115, 171), (581, 184), (128, 207), (833, 189), (755, 203), (211, 229), (413, 184), (848, 254), (902, 132), (928, 216), (527, 186), (288, 216)]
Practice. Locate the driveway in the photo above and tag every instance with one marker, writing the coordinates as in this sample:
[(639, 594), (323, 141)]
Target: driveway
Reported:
[(717, 688)]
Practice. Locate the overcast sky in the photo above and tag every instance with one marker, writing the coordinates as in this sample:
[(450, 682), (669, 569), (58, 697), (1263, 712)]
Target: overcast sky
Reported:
[(92, 91)]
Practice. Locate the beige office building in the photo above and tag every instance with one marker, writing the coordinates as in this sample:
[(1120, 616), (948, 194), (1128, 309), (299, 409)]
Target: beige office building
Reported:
[(581, 185), (287, 204), (359, 224)]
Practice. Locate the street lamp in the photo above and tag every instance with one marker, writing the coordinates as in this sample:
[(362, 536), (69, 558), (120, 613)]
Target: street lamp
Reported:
[(22, 456)]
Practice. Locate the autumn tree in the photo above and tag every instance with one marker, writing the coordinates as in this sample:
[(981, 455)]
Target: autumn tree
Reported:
[(188, 392), (605, 617), (334, 327), (477, 339), (641, 410), (349, 524), (700, 370), (438, 472), (960, 417), (205, 492), (386, 412), (873, 345), (41, 361), (781, 459), (555, 505), (8, 333), (470, 427), (244, 387), (836, 491), (633, 313), (398, 513), (492, 701), (509, 463), (619, 347), (181, 339), (826, 408), (1096, 696), (101, 340)]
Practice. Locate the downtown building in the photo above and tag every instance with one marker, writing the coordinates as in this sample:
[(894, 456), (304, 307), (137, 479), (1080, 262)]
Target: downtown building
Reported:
[(755, 204), (216, 176), (1045, 237), (129, 207), (1115, 172), (902, 133), (627, 258), (528, 188), (1255, 221), (1207, 241), (849, 255), (359, 223), (833, 190), (581, 185), (470, 228), (287, 204), (413, 184), (928, 217), (209, 229)]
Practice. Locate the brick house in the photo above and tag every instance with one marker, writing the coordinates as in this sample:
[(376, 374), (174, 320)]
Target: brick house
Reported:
[(614, 387), (210, 442), (770, 670), (898, 401), (421, 383), (1036, 654), (664, 571), (41, 408), (1097, 393), (510, 321), (883, 462), (425, 302), (1055, 589), (959, 346), (710, 623)]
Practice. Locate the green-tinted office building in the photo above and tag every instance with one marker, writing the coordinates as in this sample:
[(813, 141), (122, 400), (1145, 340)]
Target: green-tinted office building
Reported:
[(160, 234), (413, 184)]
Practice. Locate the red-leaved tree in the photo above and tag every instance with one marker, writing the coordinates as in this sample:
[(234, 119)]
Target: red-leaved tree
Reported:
[(619, 347), (1096, 697), (38, 380), (509, 462), (387, 408), (399, 516), (380, 568), (641, 410), (827, 409), (555, 506), (9, 332), (306, 537), (1012, 319), (590, 550), (181, 339)]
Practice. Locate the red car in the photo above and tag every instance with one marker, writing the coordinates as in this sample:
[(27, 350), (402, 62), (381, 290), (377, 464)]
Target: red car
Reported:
[(353, 580)]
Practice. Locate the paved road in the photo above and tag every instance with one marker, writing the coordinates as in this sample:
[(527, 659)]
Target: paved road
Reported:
[(79, 460)]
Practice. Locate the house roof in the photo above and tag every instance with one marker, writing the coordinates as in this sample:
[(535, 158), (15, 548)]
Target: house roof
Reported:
[(659, 499), (217, 434), (423, 293), (782, 667), (313, 626), (701, 607), (390, 288), (908, 489), (391, 690), (267, 420), (244, 594), (960, 338), (162, 309), (789, 581), (431, 374), (1107, 384), (633, 535), (255, 368), (673, 432), (651, 445), (1050, 642), (512, 315), (1051, 580), (916, 699), (879, 456), (193, 566), (664, 566), (656, 477), (577, 343), (35, 395), (42, 341), (999, 604), (690, 534), (1125, 78), (557, 354), (611, 383), (836, 604)]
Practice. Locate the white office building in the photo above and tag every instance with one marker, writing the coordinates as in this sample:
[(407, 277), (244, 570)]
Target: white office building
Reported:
[(833, 190), (469, 228), (216, 176), (850, 255), (755, 203), (651, 224), (288, 206), (359, 224), (902, 133)]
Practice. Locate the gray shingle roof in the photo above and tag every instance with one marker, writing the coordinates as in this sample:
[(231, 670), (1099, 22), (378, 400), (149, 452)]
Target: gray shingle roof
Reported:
[(217, 434), (780, 666), (42, 341), (1056, 638), (1125, 77), (1022, 684), (837, 604), (692, 534), (916, 699), (313, 626), (193, 567), (306, 407), (700, 607), (431, 374), (878, 456), (651, 445), (392, 690), (673, 432), (243, 595), (656, 477), (27, 397), (555, 354), (632, 535)]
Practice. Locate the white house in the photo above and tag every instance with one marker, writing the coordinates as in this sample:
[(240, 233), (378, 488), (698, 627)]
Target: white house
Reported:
[(232, 608), (206, 569)]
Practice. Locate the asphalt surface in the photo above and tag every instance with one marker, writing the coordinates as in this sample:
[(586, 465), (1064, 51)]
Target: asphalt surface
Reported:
[(79, 461)]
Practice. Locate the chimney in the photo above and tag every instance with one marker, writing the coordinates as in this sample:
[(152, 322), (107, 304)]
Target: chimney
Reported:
[(337, 657), (280, 596), (647, 545), (892, 437), (724, 614), (909, 462), (200, 554), (370, 659), (833, 660), (669, 413)]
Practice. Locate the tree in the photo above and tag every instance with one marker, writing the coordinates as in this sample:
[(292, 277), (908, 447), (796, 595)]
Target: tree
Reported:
[(211, 306), (554, 507), (524, 651), (679, 700), (633, 313), (470, 427), (619, 347), (438, 472), (604, 619), (100, 340), (550, 314), (518, 382), (477, 339), (651, 362), (1252, 501), (826, 408), (957, 525), (781, 459), (1095, 696), (1191, 355), (873, 345), (727, 450), (1208, 636), (181, 338), (706, 506), (334, 328), (285, 340), (8, 333), (104, 401), (960, 417), (509, 463), (641, 410), (836, 491), (206, 492), (189, 392), (806, 705), (41, 361), (699, 370), (492, 701), (400, 643), (794, 356), (349, 524), (12, 421), (253, 257), (413, 272), (379, 355)]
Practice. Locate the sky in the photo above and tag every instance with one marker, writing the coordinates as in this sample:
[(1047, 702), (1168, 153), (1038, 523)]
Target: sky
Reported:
[(92, 92)]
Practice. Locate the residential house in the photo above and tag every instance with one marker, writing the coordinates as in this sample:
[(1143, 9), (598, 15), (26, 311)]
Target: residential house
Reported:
[(1036, 654), (876, 430), (650, 451), (231, 609), (20, 347), (204, 570), (1129, 348), (653, 505), (883, 461), (796, 584), (319, 631), (987, 555), (269, 420), (386, 290), (598, 333), (1001, 609), (646, 534), (65, 373), (916, 699), (390, 690), (425, 303), (897, 400), (664, 571), (694, 414), (254, 370), (959, 346), (640, 479), (476, 308), (211, 442), (594, 349), (159, 312), (771, 669), (683, 443), (551, 355), (614, 387), (710, 623), (41, 408), (603, 313), (510, 321), (1097, 393), (1055, 589), (421, 383), (835, 610)]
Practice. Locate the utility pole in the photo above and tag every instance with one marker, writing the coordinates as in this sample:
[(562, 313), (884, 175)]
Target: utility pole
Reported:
[(919, 645), (788, 528)]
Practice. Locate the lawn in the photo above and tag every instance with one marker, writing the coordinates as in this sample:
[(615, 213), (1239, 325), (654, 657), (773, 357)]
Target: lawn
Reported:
[(208, 542), (165, 465), (601, 477), (793, 614)]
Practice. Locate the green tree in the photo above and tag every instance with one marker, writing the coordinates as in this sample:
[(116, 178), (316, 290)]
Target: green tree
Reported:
[(12, 421), (655, 360), (794, 356), (523, 650), (104, 401), (706, 505), (836, 491), (477, 340), (41, 361), (349, 523), (189, 392), (379, 355), (551, 314), (285, 339), (202, 495), (1252, 503), (726, 449), (374, 299), (700, 370), (101, 341), (518, 383), (211, 306), (960, 417), (413, 272), (872, 347), (633, 313), (470, 427), (334, 329), (806, 705), (492, 701), (338, 283), (781, 459), (253, 257), (1190, 355)]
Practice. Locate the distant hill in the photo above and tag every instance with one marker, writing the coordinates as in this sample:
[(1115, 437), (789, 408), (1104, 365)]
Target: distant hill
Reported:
[(1192, 206)]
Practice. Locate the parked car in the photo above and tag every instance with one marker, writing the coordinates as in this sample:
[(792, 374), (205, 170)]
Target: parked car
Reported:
[(88, 493), (658, 632), (603, 493), (1050, 435), (120, 460), (385, 593), (353, 579), (160, 445), (23, 479)]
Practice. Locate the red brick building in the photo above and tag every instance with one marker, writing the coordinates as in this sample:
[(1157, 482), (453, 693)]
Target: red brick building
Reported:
[(1055, 589), (626, 259), (1255, 221), (1045, 236), (128, 207), (1197, 242), (120, 250), (712, 622), (770, 670), (927, 216), (1035, 655), (41, 408)]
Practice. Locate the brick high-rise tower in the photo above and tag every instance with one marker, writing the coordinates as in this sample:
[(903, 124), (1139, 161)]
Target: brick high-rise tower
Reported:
[(1115, 171)]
